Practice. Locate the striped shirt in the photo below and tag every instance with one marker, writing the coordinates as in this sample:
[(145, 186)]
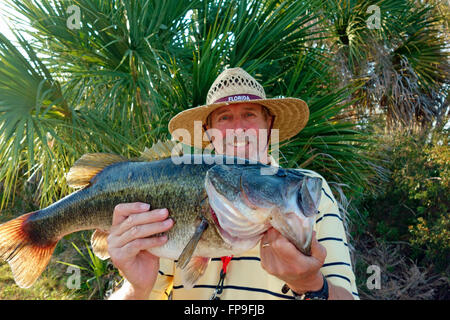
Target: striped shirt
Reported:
[(245, 278)]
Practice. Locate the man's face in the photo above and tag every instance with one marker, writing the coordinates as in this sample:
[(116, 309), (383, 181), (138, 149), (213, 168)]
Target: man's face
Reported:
[(240, 126)]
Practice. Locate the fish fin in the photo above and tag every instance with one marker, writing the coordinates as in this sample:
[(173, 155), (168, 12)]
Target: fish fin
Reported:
[(311, 192), (99, 244), (193, 271), (26, 259), (188, 251), (89, 165), (162, 150)]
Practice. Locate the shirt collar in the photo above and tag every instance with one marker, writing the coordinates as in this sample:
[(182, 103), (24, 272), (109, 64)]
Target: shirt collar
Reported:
[(272, 161)]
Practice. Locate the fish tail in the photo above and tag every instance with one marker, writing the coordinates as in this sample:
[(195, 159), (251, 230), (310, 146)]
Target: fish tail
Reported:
[(27, 258)]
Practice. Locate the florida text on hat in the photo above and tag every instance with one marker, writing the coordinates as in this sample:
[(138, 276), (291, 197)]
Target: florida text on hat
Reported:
[(233, 86)]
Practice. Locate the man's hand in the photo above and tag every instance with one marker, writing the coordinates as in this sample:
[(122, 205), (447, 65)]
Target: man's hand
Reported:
[(131, 235), (301, 272), (283, 260)]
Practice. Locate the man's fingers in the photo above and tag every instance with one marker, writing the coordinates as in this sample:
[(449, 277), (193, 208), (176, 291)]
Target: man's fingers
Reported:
[(136, 219), (131, 249), (269, 236), (318, 251), (123, 210), (276, 240), (143, 231)]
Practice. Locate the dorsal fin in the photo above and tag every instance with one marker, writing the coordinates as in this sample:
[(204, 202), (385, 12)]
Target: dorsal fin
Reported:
[(85, 168), (161, 150)]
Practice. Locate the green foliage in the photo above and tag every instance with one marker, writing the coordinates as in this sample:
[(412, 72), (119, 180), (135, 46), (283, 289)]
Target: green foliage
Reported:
[(113, 84), (47, 287), (433, 238), (403, 62), (414, 205), (99, 274)]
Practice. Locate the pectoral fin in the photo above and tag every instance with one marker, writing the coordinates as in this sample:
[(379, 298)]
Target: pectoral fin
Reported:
[(188, 251), (100, 244), (194, 270)]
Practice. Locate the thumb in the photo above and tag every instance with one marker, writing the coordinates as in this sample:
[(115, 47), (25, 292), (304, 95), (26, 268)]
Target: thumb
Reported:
[(318, 251)]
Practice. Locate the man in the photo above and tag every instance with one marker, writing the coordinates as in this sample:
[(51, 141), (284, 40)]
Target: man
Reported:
[(236, 114)]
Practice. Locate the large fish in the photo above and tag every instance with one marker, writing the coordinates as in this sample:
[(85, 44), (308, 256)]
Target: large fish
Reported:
[(220, 205)]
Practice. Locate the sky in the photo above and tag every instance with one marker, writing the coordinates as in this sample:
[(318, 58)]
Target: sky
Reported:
[(3, 23)]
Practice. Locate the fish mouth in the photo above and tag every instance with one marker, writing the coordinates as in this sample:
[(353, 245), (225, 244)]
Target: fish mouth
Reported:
[(297, 230), (234, 228)]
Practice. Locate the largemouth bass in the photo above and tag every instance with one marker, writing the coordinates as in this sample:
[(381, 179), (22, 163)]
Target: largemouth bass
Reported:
[(218, 209)]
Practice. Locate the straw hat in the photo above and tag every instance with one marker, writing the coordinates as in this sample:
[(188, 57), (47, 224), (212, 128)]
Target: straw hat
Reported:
[(233, 86)]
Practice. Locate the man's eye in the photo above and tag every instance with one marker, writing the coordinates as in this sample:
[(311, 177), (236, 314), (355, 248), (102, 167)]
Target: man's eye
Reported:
[(249, 114), (224, 118)]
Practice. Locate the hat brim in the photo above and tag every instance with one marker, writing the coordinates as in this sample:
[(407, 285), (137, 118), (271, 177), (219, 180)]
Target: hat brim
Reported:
[(291, 116)]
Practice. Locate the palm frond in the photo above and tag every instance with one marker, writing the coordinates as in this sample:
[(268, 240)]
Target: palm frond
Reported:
[(114, 83)]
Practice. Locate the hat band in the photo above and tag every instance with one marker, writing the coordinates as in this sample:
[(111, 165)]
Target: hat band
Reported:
[(238, 97)]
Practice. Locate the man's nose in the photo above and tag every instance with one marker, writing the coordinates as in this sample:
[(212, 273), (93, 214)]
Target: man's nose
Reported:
[(239, 126), (239, 131)]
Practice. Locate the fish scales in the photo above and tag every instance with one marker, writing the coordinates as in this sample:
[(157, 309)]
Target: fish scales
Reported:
[(179, 188)]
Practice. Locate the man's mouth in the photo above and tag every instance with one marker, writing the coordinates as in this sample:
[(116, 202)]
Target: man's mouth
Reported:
[(239, 144)]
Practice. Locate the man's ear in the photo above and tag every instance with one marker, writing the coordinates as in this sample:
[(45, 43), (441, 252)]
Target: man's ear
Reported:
[(270, 119)]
